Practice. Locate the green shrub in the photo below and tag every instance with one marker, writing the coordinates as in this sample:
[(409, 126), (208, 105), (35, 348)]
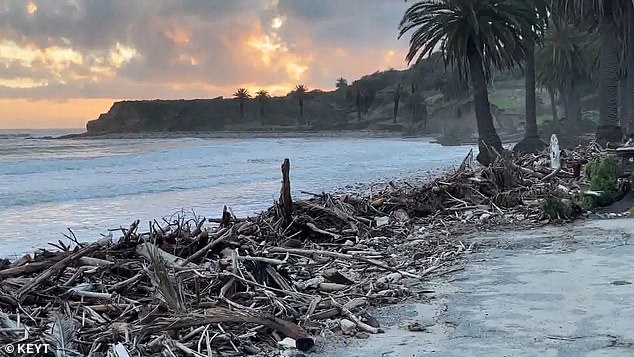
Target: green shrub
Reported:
[(603, 177), (554, 208)]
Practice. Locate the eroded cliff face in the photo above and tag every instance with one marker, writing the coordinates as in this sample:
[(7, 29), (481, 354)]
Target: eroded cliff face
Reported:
[(210, 114)]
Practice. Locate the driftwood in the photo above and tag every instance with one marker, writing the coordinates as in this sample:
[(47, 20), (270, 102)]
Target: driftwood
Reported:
[(286, 202), (235, 286)]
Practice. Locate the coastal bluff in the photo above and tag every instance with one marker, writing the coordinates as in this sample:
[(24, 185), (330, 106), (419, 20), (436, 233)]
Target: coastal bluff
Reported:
[(212, 115), (431, 101)]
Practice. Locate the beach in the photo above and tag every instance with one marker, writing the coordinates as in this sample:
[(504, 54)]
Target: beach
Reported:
[(310, 264)]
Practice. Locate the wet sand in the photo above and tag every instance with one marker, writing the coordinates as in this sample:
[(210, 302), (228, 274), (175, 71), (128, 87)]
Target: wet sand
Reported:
[(552, 291)]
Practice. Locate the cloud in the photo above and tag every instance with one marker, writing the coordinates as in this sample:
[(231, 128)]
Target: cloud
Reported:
[(190, 48)]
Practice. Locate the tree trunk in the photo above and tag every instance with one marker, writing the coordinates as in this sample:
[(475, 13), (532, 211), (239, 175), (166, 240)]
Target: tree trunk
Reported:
[(424, 114), (529, 86), (572, 105), (608, 130), (241, 108), (531, 142), (414, 103), (630, 70), (358, 103), (262, 114), (301, 110), (285, 204), (553, 105), (488, 137), (397, 98), (623, 94)]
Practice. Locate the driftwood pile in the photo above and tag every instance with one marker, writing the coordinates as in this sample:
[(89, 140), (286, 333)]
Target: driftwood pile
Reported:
[(243, 286)]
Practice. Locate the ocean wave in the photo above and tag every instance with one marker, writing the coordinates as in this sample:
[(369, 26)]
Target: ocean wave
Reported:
[(14, 136)]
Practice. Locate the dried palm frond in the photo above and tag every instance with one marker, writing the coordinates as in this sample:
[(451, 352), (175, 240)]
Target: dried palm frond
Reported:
[(167, 284), (62, 336)]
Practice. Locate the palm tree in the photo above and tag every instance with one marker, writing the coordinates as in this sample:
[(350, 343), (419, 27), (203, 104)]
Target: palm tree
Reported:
[(397, 98), (533, 31), (300, 90), (567, 60), (475, 36), (262, 96), (341, 83), (242, 94), (608, 13)]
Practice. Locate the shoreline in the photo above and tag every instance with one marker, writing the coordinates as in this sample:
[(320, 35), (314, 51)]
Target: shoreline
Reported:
[(290, 269), (244, 134), (273, 134)]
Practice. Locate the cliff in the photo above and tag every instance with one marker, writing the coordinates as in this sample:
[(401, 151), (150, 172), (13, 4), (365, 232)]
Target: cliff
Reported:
[(205, 115), (429, 94)]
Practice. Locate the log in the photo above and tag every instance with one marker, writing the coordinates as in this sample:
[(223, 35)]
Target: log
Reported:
[(224, 234), (343, 256), (225, 221), (60, 266), (335, 276), (146, 250), (287, 328), (360, 324), (33, 267), (286, 202)]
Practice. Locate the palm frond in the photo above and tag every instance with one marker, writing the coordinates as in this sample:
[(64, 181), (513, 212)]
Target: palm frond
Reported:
[(567, 54), (500, 30), (63, 334), (166, 283), (242, 93)]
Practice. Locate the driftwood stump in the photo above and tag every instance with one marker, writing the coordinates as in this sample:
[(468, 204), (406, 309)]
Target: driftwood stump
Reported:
[(225, 221), (285, 204)]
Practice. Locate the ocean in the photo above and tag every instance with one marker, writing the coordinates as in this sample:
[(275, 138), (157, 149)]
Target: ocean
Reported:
[(89, 186)]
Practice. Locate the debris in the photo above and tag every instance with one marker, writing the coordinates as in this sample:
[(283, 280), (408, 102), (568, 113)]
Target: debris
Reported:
[(382, 221), (287, 343), (347, 327), (416, 326), (235, 286)]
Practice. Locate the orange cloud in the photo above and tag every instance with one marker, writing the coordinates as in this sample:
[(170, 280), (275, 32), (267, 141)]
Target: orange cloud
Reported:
[(177, 35), (176, 50)]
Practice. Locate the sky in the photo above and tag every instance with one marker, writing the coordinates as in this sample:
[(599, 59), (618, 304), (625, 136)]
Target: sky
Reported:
[(63, 62)]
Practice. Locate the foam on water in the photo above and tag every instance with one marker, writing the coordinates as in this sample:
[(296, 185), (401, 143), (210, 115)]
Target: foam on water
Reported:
[(89, 186)]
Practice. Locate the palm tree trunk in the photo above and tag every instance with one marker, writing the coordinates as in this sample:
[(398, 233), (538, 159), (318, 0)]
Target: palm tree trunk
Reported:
[(424, 114), (241, 108), (529, 86), (572, 105), (396, 100), (630, 70), (623, 94), (531, 142), (358, 104), (301, 111), (262, 114), (608, 130), (553, 105), (488, 137)]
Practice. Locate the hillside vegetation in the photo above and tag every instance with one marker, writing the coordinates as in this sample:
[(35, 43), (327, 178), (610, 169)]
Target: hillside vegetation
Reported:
[(432, 100)]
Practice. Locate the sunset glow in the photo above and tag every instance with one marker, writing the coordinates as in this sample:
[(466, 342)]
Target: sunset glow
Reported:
[(31, 8), (63, 62)]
